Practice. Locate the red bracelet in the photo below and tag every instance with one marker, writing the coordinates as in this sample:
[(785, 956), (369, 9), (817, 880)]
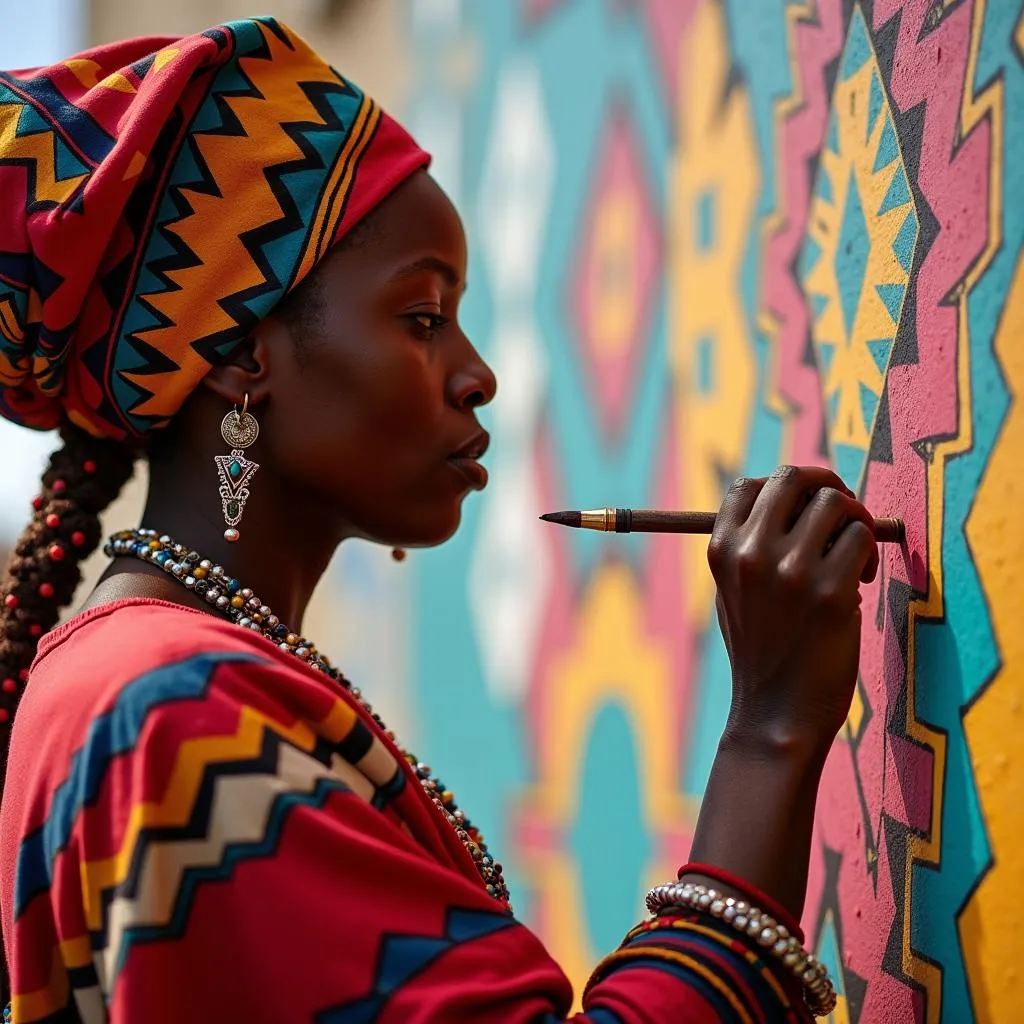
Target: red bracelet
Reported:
[(754, 895)]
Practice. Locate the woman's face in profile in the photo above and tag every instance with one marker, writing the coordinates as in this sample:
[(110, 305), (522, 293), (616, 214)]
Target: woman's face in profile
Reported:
[(375, 414)]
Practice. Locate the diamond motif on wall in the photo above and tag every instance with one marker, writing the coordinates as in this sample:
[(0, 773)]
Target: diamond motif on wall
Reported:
[(616, 274), (857, 255)]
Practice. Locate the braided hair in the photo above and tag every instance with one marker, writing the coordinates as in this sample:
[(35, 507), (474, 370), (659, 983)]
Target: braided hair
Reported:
[(83, 477)]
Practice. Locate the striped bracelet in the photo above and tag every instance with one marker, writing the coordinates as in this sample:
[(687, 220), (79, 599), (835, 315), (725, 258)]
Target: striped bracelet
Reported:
[(819, 992)]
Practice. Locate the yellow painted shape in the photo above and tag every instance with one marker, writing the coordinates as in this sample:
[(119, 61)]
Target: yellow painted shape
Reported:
[(37, 148), (852, 364), (614, 294), (613, 660), (717, 156), (994, 726)]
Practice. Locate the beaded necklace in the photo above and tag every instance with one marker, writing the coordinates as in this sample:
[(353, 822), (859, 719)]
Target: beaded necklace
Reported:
[(245, 609)]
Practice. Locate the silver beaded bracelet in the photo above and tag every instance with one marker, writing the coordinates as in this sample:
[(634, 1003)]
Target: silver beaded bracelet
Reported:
[(819, 992)]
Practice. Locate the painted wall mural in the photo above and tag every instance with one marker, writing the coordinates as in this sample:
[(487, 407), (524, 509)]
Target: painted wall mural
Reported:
[(710, 236)]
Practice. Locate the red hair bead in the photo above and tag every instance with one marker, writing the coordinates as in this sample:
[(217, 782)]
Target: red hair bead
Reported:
[(59, 487), (53, 521), (11, 601), (10, 685), (56, 552), (35, 629), (23, 675), (4, 716), (89, 466), (46, 590), (78, 538), (38, 502)]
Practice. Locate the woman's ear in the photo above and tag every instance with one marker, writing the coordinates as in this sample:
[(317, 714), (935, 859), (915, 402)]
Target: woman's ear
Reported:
[(249, 369)]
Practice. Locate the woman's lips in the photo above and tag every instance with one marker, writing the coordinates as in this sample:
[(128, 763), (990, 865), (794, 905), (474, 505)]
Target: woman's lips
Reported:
[(472, 470)]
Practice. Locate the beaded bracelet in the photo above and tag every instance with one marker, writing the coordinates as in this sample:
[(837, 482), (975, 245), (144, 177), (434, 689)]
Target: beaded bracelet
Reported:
[(819, 993)]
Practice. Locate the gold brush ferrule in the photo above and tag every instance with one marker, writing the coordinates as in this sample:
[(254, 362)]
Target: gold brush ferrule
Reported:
[(598, 519)]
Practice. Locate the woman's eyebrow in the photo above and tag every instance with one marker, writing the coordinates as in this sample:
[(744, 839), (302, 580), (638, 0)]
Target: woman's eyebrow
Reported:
[(431, 264)]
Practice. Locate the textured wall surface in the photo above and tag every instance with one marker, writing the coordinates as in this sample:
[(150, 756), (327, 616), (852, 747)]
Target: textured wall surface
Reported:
[(711, 236)]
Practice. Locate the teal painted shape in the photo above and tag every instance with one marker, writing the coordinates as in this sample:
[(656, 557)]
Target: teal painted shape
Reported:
[(868, 405), (888, 147), (609, 838), (824, 185), (828, 953), (826, 356), (849, 462), (707, 210), (818, 304), (706, 365), (880, 349), (857, 51), (892, 296), (875, 100), (809, 256), (832, 406), (852, 252), (898, 193), (906, 241), (832, 142)]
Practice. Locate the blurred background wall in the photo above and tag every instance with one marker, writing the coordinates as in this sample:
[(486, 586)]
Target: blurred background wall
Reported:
[(708, 236)]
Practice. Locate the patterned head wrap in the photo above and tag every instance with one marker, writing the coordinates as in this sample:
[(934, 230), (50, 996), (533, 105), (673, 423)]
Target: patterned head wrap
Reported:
[(157, 198)]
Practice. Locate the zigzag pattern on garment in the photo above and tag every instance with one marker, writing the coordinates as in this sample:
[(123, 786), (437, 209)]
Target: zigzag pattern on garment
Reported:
[(402, 957)]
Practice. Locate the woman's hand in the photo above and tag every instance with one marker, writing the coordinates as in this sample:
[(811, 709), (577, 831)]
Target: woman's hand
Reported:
[(788, 554)]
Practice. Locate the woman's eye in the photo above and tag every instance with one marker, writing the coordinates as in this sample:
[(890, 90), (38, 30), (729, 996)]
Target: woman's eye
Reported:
[(428, 324)]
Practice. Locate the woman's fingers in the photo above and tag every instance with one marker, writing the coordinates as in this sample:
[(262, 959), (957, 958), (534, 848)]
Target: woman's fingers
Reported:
[(854, 556), (783, 496)]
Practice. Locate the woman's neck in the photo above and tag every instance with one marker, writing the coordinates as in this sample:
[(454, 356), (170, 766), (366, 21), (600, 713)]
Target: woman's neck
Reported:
[(282, 552)]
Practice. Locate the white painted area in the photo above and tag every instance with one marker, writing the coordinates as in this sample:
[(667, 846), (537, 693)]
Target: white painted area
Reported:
[(509, 573), (33, 35)]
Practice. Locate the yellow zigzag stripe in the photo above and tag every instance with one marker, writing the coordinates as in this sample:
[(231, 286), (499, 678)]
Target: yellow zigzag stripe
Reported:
[(39, 150), (211, 232), (988, 935), (174, 810)]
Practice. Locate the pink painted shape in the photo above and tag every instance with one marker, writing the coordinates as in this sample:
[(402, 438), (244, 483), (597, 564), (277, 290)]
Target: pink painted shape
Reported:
[(534, 10), (613, 374), (895, 773), (800, 138), (668, 22)]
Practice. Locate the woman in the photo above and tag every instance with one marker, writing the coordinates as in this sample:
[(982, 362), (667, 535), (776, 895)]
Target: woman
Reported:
[(218, 254)]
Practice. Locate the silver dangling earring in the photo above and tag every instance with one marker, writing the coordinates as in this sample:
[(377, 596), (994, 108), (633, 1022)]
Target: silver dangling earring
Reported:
[(239, 430)]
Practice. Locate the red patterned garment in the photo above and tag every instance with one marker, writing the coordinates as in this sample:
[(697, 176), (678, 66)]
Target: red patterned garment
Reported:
[(196, 826)]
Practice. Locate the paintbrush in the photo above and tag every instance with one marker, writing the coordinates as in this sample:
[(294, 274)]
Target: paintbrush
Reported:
[(888, 529)]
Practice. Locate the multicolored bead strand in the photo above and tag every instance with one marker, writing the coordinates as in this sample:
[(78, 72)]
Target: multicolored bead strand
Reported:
[(240, 605)]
